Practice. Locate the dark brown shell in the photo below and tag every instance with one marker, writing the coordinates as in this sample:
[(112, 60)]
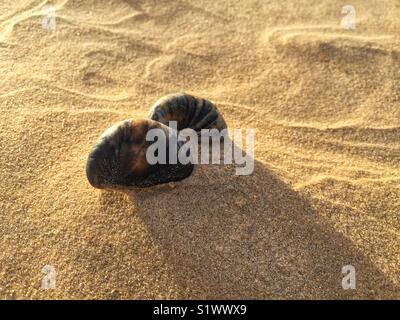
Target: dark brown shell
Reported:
[(118, 158), (188, 111)]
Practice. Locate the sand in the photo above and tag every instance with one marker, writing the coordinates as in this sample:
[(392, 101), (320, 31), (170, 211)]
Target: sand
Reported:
[(323, 101)]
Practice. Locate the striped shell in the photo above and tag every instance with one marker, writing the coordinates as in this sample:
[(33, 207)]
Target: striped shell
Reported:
[(118, 158), (188, 111)]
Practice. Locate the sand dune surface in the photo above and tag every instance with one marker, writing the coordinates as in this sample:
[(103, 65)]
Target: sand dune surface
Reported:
[(325, 192)]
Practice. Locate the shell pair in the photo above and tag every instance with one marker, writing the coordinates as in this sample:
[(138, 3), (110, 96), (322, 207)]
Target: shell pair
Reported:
[(118, 158)]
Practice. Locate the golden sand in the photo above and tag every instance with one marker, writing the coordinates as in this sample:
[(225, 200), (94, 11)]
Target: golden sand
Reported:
[(325, 104)]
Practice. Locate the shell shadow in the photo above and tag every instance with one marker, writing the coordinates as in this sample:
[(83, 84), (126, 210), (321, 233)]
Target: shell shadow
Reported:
[(253, 237)]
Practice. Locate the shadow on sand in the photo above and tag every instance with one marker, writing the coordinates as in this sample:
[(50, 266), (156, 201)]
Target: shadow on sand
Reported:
[(230, 236)]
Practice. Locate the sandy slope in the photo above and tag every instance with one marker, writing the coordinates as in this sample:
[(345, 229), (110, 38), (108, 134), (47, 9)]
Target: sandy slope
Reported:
[(325, 191)]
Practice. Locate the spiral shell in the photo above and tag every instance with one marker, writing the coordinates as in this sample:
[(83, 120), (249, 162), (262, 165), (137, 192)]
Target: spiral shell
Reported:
[(118, 158), (188, 111)]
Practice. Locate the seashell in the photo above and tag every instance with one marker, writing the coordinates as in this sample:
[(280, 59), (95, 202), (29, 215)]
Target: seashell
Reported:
[(118, 158), (188, 111)]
